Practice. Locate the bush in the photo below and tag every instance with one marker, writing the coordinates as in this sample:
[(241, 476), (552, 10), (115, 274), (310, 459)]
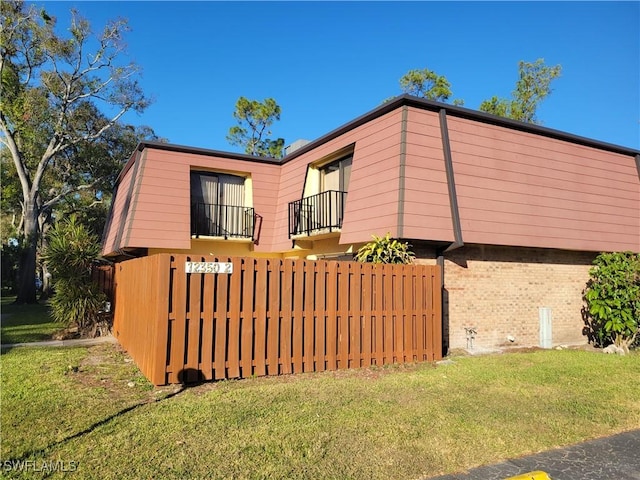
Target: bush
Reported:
[(385, 250), (613, 298), (70, 253)]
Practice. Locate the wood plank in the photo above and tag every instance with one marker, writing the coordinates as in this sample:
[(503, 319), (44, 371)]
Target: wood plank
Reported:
[(309, 314), (398, 312), (286, 341), (421, 316), (355, 313), (332, 329), (320, 316), (221, 317), (260, 343), (298, 287), (191, 372), (409, 314), (273, 320), (367, 299), (178, 326), (206, 353), (387, 272), (343, 315), (379, 314), (247, 319), (233, 327)]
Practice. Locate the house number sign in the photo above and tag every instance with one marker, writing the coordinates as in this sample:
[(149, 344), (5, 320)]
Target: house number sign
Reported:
[(208, 267)]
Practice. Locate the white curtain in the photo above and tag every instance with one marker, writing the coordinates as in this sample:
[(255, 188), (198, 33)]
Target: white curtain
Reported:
[(217, 202), (231, 190)]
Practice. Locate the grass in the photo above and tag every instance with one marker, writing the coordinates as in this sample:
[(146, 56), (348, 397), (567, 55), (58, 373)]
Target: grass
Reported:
[(26, 323), (92, 406)]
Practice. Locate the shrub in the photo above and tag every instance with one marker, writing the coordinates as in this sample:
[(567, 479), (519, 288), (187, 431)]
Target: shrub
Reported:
[(385, 250), (613, 298), (71, 250)]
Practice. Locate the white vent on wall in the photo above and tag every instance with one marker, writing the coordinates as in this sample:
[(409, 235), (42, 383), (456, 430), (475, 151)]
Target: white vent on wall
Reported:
[(546, 327), (295, 146)]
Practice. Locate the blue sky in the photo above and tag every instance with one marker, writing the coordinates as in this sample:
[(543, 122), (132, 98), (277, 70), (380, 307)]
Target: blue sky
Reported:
[(327, 63)]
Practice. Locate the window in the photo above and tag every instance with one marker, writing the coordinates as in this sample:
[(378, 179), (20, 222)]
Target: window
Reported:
[(218, 206), (335, 176)]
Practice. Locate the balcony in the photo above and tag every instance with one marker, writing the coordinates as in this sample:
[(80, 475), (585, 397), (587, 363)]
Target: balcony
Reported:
[(317, 214), (212, 220)]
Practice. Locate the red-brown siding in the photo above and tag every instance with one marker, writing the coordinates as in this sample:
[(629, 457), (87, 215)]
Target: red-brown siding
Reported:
[(117, 215), (514, 187), (372, 202), (159, 211), (427, 209), (517, 188)]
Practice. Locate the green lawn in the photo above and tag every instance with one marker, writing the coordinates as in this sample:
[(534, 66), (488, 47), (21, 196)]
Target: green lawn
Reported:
[(91, 406), (26, 323)]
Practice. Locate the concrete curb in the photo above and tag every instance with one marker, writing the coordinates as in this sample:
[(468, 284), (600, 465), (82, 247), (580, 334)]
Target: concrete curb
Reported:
[(83, 342)]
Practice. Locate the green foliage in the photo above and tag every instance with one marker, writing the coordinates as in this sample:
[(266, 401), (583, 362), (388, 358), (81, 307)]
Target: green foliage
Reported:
[(427, 84), (9, 257), (385, 250), (69, 254), (76, 304), (27, 323), (533, 86), (613, 298), (254, 119), (54, 125)]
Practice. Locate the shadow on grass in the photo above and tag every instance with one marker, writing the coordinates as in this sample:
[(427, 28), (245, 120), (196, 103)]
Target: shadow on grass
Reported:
[(181, 387), (27, 323)]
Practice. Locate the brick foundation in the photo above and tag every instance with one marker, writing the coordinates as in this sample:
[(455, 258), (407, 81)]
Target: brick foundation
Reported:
[(499, 290)]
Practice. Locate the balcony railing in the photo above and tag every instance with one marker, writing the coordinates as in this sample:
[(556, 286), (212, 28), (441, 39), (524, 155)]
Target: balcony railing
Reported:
[(226, 221), (317, 214)]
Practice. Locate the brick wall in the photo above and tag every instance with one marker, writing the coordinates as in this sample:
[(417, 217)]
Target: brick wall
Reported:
[(499, 290)]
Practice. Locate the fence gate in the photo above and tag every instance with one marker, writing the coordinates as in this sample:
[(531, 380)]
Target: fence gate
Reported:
[(183, 321)]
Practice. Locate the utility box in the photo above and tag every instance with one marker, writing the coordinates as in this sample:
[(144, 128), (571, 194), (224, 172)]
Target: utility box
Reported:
[(546, 321)]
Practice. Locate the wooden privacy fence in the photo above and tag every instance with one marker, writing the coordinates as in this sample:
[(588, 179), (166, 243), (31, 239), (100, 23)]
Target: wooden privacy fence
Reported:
[(273, 316), (102, 275)]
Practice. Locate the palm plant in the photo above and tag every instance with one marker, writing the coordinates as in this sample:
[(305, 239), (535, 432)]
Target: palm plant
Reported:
[(385, 250), (70, 252)]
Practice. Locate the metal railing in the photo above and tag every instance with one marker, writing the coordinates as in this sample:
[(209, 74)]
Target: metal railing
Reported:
[(226, 221), (317, 213)]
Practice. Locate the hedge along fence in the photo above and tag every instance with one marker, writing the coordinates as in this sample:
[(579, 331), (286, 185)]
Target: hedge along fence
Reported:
[(273, 316)]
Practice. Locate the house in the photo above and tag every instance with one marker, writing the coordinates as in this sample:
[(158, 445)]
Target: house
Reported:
[(514, 212)]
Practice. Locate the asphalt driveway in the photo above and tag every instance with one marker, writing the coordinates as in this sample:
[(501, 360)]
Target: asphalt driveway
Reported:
[(610, 458)]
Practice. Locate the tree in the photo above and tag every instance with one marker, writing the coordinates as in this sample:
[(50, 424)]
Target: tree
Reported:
[(533, 86), (98, 162), (70, 252), (385, 250), (427, 84), (52, 89), (613, 298), (254, 119)]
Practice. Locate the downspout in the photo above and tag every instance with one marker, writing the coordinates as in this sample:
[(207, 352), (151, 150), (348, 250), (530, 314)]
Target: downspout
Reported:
[(455, 220)]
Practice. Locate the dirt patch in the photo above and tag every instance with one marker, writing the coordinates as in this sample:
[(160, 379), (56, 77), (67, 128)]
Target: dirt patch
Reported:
[(108, 367)]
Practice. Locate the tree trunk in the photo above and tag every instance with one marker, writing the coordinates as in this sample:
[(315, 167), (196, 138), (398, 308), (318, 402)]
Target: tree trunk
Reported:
[(47, 285), (27, 270), (44, 221)]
